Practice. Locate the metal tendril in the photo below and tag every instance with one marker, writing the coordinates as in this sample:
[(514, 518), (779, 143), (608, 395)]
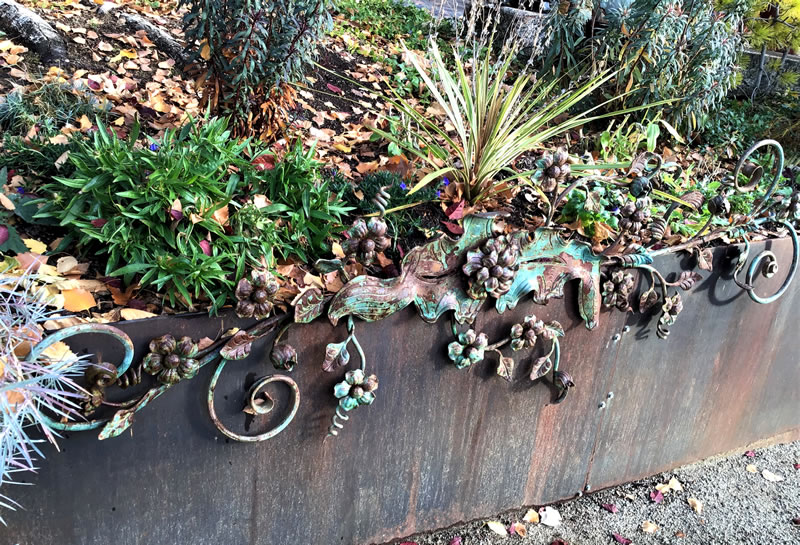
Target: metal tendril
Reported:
[(381, 200), (335, 423)]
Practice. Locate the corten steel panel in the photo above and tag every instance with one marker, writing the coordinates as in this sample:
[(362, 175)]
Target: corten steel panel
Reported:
[(726, 377), (438, 446)]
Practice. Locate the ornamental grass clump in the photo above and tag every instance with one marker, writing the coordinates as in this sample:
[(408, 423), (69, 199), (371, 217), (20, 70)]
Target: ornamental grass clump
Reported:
[(29, 385), (495, 118)]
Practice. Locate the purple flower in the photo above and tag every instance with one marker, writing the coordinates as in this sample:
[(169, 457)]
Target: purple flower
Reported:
[(21, 190), (403, 186), (438, 193), (446, 181), (153, 147)]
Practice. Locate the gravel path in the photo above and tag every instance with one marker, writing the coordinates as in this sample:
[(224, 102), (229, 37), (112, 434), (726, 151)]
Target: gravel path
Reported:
[(740, 505)]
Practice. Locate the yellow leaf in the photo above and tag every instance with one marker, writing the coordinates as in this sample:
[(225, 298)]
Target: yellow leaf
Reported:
[(58, 351), (128, 53), (205, 51), (696, 504), (6, 202), (343, 148), (336, 248), (35, 246), (751, 468), (77, 300), (86, 124), (649, 527), (135, 314), (497, 527), (12, 59), (531, 517)]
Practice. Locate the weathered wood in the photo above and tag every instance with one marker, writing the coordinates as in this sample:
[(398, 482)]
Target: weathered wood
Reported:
[(439, 445), (33, 32)]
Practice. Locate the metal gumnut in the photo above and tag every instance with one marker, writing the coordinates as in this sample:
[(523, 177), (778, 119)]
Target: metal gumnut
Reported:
[(491, 267), (366, 240), (563, 382), (525, 335), (555, 170), (719, 206), (255, 296), (617, 289), (641, 187), (283, 356)]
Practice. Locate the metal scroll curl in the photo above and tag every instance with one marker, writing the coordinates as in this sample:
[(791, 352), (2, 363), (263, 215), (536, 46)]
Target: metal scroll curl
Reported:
[(766, 264)]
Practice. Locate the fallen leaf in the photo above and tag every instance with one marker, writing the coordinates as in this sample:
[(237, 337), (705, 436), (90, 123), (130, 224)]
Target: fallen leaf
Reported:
[(558, 541), (456, 541), (31, 261), (797, 466), (58, 351), (455, 211), (657, 496), (619, 539), (35, 246), (531, 517), (610, 507), (549, 516), (518, 529), (65, 264), (750, 454), (751, 468), (334, 89), (497, 527), (649, 527), (135, 314), (771, 477), (78, 300), (696, 504), (7, 203)]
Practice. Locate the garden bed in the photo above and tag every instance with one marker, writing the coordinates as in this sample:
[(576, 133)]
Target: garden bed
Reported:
[(439, 445)]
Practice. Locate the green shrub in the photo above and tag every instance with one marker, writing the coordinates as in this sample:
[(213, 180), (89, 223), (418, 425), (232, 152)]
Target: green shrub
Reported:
[(306, 210), (392, 20), (150, 210), (683, 50), (249, 48)]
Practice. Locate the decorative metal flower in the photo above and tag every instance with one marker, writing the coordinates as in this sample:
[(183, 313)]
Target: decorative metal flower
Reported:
[(491, 267), (524, 335), (171, 360), (356, 389), (468, 349), (555, 170), (617, 289), (366, 240), (256, 296), (641, 186), (669, 314), (283, 356), (635, 215)]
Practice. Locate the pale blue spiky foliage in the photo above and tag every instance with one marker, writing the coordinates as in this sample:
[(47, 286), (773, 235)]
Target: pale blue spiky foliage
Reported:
[(27, 388)]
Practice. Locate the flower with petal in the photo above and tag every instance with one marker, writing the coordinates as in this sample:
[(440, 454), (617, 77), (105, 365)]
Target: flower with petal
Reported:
[(468, 349), (171, 360), (356, 389)]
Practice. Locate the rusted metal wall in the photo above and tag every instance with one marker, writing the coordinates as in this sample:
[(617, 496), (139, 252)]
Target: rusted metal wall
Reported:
[(439, 445)]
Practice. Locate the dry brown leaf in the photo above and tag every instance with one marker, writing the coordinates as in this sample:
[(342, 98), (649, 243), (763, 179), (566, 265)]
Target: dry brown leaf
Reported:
[(61, 323), (751, 468), (135, 314), (77, 300), (6, 202), (497, 527), (58, 351), (65, 264), (696, 504)]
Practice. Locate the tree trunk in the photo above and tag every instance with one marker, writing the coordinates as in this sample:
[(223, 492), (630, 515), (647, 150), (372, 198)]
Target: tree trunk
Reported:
[(33, 32)]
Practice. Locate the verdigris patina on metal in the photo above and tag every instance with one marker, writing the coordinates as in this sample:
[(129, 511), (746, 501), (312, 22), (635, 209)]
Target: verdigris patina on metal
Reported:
[(456, 277)]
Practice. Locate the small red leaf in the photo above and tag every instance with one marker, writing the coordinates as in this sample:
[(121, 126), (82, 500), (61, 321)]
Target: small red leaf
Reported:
[(3, 234), (455, 211), (657, 496), (558, 541), (177, 215), (263, 162), (454, 228), (797, 466), (99, 222), (205, 246), (750, 454), (339, 91), (610, 507), (619, 539), (456, 541)]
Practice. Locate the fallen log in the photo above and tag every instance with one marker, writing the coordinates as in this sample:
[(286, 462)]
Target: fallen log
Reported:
[(33, 32)]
